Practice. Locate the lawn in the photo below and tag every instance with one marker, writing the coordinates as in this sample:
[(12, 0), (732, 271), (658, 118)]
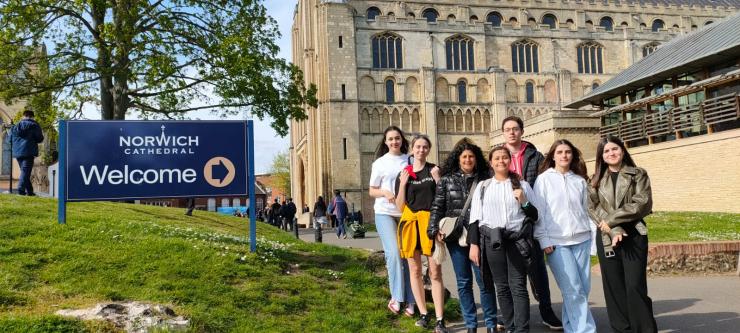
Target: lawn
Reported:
[(692, 226), (198, 265)]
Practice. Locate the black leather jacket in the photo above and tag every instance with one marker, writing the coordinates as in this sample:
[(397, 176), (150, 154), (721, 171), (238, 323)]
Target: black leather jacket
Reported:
[(449, 199)]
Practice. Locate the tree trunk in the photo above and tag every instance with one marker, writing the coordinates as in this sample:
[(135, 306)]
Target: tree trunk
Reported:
[(123, 23), (103, 63)]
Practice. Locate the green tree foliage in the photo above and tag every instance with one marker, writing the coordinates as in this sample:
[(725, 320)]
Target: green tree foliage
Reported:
[(280, 170), (157, 58)]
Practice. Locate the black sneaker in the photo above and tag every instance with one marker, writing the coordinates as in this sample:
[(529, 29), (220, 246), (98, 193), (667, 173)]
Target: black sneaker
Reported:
[(440, 327), (423, 321), (550, 320)]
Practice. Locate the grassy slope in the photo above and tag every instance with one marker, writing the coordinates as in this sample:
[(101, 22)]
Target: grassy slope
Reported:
[(200, 265), (692, 226)]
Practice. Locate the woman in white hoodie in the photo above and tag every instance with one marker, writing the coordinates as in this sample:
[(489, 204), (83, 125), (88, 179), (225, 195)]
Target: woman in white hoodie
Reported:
[(564, 230)]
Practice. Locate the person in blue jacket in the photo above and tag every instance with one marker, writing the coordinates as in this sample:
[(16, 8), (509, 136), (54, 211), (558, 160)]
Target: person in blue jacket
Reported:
[(26, 136)]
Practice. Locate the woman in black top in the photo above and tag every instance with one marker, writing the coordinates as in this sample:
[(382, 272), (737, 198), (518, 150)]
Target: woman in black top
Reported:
[(415, 187)]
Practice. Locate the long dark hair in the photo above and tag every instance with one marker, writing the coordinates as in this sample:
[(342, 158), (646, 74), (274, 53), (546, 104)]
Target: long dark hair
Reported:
[(577, 165), (382, 148), (452, 163), (320, 203), (515, 179), (601, 166)]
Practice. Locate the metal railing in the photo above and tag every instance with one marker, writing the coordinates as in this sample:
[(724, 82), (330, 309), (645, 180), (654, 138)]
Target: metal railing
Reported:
[(725, 108)]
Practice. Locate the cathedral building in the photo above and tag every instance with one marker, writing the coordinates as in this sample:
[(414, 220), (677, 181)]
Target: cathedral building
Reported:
[(453, 69)]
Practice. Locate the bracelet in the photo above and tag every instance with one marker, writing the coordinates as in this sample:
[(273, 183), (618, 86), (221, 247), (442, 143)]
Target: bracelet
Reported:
[(525, 205)]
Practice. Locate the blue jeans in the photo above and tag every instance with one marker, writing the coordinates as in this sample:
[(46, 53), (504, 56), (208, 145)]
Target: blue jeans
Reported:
[(571, 265), (398, 270), (464, 270), (340, 227), (24, 183)]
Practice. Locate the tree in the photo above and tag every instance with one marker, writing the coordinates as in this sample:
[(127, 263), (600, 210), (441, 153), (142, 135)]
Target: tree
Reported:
[(280, 170), (158, 58)]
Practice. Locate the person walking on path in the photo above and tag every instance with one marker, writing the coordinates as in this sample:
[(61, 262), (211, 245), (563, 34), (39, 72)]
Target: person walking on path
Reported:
[(319, 213), (525, 161), (464, 168), (391, 157), (620, 198), (500, 223), (289, 214), (190, 205), (564, 231), (415, 187), (339, 210), (275, 213), (26, 135)]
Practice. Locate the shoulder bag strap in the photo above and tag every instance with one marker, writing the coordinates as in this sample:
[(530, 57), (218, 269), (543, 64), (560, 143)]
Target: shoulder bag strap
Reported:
[(470, 197)]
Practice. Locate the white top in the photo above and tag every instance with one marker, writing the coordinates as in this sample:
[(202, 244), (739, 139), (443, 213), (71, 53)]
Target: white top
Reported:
[(562, 204), (499, 208), (384, 172)]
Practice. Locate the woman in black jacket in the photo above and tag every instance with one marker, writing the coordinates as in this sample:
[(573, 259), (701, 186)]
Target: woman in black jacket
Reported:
[(465, 165)]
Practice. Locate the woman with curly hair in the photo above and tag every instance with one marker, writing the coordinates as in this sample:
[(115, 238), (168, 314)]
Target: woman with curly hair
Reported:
[(465, 166)]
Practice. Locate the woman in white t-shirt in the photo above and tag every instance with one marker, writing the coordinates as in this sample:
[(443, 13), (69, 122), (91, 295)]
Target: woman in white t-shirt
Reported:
[(391, 157)]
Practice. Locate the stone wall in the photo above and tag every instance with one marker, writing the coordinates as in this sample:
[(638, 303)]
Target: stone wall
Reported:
[(694, 258)]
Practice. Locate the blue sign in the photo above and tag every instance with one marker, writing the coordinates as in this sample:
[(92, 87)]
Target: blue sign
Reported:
[(114, 160)]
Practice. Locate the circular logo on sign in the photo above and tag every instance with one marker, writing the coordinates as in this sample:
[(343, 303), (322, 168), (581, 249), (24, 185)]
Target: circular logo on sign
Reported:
[(219, 171)]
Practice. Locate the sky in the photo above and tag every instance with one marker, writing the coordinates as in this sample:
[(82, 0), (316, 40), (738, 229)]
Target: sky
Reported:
[(267, 142)]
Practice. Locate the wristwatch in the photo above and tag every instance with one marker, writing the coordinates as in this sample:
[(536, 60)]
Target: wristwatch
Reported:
[(525, 205)]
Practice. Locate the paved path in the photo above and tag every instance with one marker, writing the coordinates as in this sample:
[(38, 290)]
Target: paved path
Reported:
[(681, 304)]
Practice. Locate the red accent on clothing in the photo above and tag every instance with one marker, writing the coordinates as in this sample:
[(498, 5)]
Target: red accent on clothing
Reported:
[(517, 160), (410, 169)]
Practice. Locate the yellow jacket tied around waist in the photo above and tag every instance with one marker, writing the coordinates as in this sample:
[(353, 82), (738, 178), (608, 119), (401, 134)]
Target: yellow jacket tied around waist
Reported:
[(411, 225)]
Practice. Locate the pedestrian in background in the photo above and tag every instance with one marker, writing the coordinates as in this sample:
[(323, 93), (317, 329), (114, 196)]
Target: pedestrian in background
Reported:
[(26, 136)]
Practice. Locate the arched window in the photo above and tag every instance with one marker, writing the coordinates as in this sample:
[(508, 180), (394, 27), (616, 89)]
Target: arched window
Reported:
[(494, 18), (657, 25), (462, 93), (473, 19), (460, 53), (607, 23), (550, 20), (590, 58), (708, 23), (529, 92), (390, 94), (624, 24), (594, 86), (430, 14), (387, 51), (570, 23), (451, 18), (649, 48), (524, 57), (513, 21), (372, 13), (410, 16)]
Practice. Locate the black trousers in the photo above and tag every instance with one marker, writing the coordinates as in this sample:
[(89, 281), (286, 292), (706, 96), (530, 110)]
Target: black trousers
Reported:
[(537, 273), (509, 272), (624, 277)]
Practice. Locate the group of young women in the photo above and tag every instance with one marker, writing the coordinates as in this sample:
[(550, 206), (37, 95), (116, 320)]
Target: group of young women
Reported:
[(496, 216)]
